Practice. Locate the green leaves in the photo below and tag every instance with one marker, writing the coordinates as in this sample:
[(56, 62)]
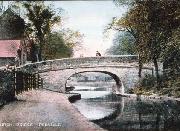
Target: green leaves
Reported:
[(41, 21), (56, 47), (123, 45), (155, 27)]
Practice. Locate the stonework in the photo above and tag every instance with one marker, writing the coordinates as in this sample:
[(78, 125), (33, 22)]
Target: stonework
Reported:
[(55, 73)]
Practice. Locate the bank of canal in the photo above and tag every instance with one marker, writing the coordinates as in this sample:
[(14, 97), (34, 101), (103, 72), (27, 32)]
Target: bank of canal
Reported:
[(42, 110), (114, 112)]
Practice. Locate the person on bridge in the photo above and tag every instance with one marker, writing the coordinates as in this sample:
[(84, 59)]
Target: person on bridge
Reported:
[(97, 53)]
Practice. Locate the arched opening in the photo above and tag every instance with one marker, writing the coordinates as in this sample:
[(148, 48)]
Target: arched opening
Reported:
[(88, 76), (99, 101)]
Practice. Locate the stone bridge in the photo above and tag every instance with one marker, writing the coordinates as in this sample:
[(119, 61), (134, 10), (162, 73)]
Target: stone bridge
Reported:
[(55, 73)]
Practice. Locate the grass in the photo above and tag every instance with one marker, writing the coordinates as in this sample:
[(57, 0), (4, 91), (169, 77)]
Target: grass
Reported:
[(147, 86)]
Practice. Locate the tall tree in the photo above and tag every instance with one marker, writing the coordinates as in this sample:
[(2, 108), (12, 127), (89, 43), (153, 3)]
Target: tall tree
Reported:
[(151, 23), (126, 24), (156, 20), (41, 20)]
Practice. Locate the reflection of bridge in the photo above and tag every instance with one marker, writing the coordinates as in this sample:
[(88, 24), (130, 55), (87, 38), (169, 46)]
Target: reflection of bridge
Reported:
[(55, 73)]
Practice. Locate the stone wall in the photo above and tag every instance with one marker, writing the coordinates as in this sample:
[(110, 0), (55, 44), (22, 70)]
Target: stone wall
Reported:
[(6, 61), (6, 86)]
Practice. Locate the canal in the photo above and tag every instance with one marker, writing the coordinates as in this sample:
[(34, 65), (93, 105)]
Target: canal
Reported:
[(101, 106)]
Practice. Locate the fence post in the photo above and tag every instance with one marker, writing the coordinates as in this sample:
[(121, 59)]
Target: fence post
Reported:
[(21, 81)]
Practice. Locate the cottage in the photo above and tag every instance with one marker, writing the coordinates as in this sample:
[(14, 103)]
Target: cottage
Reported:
[(12, 46), (9, 51)]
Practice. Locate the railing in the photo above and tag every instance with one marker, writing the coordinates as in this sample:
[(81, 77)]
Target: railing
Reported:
[(14, 82), (26, 81)]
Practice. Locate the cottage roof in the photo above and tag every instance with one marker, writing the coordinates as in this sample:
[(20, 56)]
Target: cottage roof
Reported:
[(12, 26), (8, 48)]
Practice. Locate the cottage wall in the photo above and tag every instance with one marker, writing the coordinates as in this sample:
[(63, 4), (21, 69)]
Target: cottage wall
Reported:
[(6, 61)]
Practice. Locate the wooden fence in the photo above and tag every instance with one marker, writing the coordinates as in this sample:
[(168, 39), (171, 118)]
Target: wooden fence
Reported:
[(14, 82), (26, 81)]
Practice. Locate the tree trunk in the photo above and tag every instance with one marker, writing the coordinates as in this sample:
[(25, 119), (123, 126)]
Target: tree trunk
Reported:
[(158, 118), (157, 73), (41, 44), (140, 68), (40, 54)]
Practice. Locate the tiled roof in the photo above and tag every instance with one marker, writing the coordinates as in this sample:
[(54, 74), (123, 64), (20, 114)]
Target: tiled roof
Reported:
[(8, 48)]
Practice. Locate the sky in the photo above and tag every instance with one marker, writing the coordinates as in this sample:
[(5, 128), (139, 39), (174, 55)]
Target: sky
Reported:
[(90, 18)]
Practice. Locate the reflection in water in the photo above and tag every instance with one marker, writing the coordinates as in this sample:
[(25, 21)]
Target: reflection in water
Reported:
[(120, 113)]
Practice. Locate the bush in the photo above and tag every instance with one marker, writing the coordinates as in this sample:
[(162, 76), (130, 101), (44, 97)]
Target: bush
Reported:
[(145, 86), (147, 82)]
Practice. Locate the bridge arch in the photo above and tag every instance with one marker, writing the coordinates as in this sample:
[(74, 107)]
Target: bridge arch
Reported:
[(114, 76), (54, 73)]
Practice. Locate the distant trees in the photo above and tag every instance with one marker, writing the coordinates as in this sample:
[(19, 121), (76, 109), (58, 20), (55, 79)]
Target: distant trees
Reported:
[(61, 44), (55, 47), (73, 39), (123, 44), (155, 28)]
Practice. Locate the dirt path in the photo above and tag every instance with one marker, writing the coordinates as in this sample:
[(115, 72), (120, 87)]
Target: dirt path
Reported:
[(43, 110)]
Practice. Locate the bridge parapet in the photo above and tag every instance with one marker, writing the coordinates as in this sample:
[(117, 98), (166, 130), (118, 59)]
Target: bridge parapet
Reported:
[(68, 63)]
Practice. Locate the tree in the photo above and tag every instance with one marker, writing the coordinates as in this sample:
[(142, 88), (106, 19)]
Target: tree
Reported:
[(56, 47), (126, 24), (73, 39), (1, 7), (155, 21), (122, 45), (41, 20), (151, 23), (171, 56)]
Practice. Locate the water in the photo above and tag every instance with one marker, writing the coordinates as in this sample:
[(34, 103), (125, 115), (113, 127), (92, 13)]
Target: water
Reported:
[(113, 112)]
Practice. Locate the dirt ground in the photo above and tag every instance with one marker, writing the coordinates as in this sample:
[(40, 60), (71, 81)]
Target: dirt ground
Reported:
[(43, 110)]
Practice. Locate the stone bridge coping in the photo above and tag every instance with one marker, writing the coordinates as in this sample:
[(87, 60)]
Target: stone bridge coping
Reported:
[(119, 58), (122, 61), (78, 62)]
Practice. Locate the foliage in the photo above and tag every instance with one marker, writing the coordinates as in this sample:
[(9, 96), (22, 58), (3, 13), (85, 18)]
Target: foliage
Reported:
[(171, 56), (155, 27), (144, 86), (171, 87), (62, 44), (147, 81), (41, 20), (56, 47), (73, 39), (6, 88), (123, 45), (124, 2), (141, 91)]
